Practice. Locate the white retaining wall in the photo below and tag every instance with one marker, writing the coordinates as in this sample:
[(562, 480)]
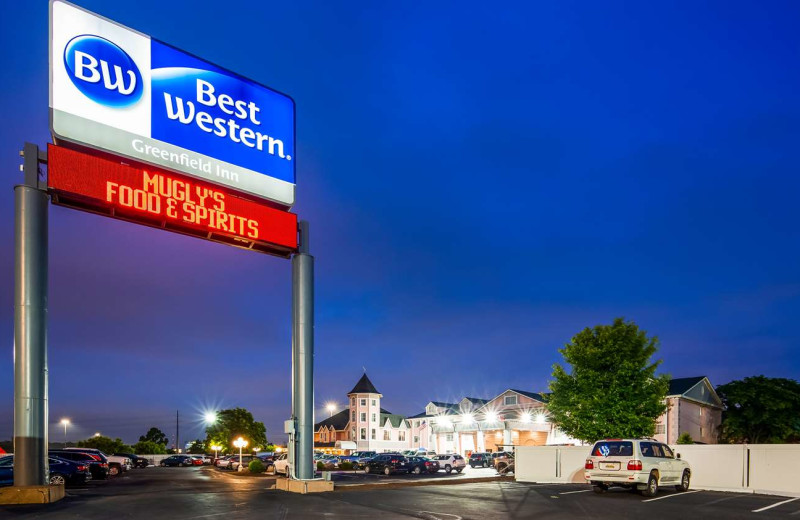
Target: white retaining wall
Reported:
[(751, 468)]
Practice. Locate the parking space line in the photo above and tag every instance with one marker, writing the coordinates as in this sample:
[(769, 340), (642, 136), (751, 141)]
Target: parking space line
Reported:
[(672, 495), (775, 505), (571, 492)]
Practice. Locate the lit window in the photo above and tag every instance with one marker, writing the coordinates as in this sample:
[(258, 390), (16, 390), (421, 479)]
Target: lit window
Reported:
[(510, 399), (401, 436), (387, 435), (363, 434)]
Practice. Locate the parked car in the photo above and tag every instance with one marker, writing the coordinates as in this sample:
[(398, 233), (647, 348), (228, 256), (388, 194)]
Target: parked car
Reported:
[(177, 460), (387, 463), (207, 459), (116, 465), (98, 465), (504, 462), (363, 457), (451, 462), (281, 464), (419, 465), (222, 462), (644, 464), (234, 461), (483, 460), (136, 461), (61, 471)]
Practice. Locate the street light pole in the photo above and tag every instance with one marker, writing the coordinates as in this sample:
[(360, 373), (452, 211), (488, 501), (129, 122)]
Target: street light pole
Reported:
[(65, 422)]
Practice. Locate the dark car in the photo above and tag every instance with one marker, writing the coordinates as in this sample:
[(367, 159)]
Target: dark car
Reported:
[(136, 461), (61, 471), (483, 460), (97, 465), (418, 465), (387, 463), (177, 460)]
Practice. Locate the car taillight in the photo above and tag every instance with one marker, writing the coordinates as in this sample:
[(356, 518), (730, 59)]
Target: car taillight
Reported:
[(634, 465), (81, 468), (394, 461), (589, 464), (103, 465)]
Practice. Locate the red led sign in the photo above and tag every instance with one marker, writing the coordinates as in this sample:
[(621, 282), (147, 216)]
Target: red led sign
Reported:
[(166, 200)]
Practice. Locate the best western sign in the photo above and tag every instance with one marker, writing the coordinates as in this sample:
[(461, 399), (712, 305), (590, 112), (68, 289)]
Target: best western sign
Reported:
[(120, 91)]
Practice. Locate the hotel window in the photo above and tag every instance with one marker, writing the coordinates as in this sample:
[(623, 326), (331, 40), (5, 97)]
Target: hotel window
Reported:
[(363, 402), (353, 415), (416, 440), (401, 436), (373, 402), (661, 428), (373, 434), (363, 434), (387, 435), (353, 432), (510, 399), (449, 437), (373, 418), (363, 416), (352, 401)]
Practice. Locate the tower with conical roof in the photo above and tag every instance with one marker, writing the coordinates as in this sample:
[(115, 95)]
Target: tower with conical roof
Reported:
[(365, 413)]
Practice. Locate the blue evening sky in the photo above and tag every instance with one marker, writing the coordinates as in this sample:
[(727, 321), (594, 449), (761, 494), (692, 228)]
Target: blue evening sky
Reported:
[(482, 182)]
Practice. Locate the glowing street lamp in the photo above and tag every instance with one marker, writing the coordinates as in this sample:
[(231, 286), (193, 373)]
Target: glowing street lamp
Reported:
[(240, 443), (491, 417), (525, 417), (331, 408), (97, 434), (541, 418), (216, 451), (210, 417), (65, 422), (467, 418)]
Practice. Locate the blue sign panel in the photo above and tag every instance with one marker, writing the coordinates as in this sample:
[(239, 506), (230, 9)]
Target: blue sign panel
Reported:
[(123, 92)]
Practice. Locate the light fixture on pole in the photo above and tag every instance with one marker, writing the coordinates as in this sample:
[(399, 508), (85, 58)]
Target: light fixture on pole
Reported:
[(331, 408), (65, 422), (97, 434), (210, 417), (216, 451), (240, 443)]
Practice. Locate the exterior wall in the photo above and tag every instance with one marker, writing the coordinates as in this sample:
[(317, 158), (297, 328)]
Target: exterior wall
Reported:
[(699, 420), (371, 406)]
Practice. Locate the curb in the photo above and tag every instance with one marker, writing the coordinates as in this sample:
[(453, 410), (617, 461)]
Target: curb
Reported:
[(419, 483)]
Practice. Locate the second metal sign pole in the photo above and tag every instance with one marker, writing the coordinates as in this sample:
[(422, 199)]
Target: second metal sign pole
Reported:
[(303, 358)]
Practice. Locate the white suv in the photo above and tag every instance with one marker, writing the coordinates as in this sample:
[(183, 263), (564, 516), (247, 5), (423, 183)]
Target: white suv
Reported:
[(451, 462), (644, 464)]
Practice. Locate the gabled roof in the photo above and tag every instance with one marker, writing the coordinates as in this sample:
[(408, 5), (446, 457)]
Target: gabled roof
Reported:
[(476, 401), (444, 405), (419, 415), (532, 395), (338, 421), (682, 385), (394, 419), (364, 386)]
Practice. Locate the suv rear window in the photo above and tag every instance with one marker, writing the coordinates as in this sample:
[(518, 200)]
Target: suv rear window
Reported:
[(613, 449)]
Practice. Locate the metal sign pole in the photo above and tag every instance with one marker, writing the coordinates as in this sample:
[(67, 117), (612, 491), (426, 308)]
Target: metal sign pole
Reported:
[(30, 326), (303, 358)]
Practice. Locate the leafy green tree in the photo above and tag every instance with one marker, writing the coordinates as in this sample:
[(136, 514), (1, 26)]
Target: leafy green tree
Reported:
[(149, 448), (105, 444), (234, 423), (760, 410), (155, 435), (685, 438), (611, 389), (197, 447)]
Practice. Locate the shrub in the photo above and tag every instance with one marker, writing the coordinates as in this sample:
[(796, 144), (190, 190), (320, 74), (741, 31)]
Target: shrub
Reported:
[(256, 466), (685, 438), (320, 466), (346, 466)]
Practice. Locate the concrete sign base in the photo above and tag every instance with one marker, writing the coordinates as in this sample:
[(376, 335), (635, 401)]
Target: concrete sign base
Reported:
[(303, 486), (31, 494)]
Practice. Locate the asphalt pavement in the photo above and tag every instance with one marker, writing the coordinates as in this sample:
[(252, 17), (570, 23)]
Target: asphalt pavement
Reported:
[(205, 493)]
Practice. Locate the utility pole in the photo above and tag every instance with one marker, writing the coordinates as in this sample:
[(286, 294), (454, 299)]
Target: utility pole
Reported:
[(303, 358), (178, 431)]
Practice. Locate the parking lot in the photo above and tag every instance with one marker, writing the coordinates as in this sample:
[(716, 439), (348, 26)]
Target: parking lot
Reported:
[(198, 493)]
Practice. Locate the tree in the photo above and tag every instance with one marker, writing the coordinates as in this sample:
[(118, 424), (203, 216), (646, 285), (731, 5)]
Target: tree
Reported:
[(685, 438), (612, 389), (149, 448), (233, 423), (155, 435), (197, 447), (105, 444), (760, 410)]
